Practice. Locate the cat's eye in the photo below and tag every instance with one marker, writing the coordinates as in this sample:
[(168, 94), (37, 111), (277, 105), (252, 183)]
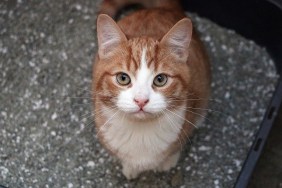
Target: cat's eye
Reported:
[(123, 79), (160, 80)]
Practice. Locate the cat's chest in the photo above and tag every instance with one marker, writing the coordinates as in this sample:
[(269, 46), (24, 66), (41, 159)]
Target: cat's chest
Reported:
[(142, 142)]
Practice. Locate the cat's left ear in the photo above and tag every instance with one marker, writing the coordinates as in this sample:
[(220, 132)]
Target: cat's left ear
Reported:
[(109, 35), (178, 38)]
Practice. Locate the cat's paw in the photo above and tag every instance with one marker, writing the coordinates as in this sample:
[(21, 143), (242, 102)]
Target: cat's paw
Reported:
[(129, 172), (169, 163)]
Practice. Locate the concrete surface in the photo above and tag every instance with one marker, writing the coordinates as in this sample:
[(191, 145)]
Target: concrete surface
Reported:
[(46, 126)]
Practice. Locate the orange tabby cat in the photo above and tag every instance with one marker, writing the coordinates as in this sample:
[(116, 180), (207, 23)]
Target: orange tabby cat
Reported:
[(151, 77)]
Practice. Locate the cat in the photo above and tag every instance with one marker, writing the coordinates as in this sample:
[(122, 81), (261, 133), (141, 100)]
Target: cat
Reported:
[(151, 78)]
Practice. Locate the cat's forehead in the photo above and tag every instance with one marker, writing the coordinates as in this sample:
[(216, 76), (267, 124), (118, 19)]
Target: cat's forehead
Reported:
[(143, 49)]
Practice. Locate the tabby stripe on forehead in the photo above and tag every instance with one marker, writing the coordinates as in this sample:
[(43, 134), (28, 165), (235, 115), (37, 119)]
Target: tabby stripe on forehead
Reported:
[(135, 64), (133, 61), (156, 60), (128, 62)]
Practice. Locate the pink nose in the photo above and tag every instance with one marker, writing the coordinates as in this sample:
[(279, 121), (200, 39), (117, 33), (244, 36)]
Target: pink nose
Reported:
[(141, 102)]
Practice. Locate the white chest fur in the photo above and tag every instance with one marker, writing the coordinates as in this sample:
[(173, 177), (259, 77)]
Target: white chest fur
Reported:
[(140, 144)]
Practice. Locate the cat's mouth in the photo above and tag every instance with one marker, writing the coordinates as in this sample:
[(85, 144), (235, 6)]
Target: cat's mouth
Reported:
[(141, 111), (142, 114)]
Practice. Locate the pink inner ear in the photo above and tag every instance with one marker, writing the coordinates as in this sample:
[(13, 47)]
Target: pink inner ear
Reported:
[(180, 53), (109, 35), (178, 38)]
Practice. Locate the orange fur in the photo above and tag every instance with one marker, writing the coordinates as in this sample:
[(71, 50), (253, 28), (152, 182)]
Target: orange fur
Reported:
[(151, 28)]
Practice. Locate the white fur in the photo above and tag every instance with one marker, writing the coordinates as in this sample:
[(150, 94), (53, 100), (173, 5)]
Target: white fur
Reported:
[(140, 144), (142, 88)]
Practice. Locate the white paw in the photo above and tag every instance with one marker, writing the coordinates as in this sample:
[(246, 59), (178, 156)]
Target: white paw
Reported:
[(129, 172), (169, 163)]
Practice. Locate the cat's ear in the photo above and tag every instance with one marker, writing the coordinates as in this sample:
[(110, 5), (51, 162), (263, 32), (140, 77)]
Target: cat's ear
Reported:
[(109, 35), (177, 39)]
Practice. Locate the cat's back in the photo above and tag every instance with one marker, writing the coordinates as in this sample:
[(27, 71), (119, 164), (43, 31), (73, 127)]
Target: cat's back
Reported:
[(153, 22)]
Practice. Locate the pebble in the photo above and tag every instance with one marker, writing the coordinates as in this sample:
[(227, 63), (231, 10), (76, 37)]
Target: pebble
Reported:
[(91, 164), (177, 179), (54, 116), (53, 133), (204, 148), (101, 160)]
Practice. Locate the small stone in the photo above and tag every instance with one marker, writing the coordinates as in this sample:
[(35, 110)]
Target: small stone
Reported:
[(45, 61), (31, 64), (223, 47), (101, 160), (54, 116), (87, 17), (227, 95), (237, 163), (70, 21), (207, 38), (188, 168), (42, 35), (3, 113), (204, 148), (53, 133), (78, 7), (177, 179), (90, 164)]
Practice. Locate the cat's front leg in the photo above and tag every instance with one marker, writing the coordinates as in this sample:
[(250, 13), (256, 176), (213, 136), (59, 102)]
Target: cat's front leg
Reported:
[(169, 163), (129, 172)]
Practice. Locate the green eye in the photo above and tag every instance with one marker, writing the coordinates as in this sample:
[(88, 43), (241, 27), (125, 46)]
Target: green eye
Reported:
[(160, 80), (123, 79)]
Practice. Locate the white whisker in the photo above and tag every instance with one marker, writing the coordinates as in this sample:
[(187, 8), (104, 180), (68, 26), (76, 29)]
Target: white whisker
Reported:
[(108, 120), (172, 124), (183, 118)]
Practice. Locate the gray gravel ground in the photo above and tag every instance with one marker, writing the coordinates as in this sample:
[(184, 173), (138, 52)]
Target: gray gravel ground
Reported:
[(47, 134)]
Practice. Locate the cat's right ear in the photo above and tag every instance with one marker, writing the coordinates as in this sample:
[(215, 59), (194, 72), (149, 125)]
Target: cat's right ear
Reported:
[(178, 39), (109, 36)]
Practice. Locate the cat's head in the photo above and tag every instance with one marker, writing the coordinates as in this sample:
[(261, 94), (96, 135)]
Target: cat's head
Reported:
[(141, 77)]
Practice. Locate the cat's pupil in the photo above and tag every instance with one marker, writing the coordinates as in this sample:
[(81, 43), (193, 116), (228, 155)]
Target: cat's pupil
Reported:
[(160, 78), (123, 77)]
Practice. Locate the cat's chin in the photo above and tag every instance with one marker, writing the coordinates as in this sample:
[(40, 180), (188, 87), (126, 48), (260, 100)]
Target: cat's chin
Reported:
[(142, 115)]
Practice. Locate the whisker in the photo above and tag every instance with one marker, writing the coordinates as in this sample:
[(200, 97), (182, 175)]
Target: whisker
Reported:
[(93, 114), (171, 124), (76, 104), (102, 127), (82, 116), (203, 116), (186, 135), (88, 90), (207, 109), (160, 125), (77, 97), (182, 118), (197, 99), (74, 97), (104, 110)]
